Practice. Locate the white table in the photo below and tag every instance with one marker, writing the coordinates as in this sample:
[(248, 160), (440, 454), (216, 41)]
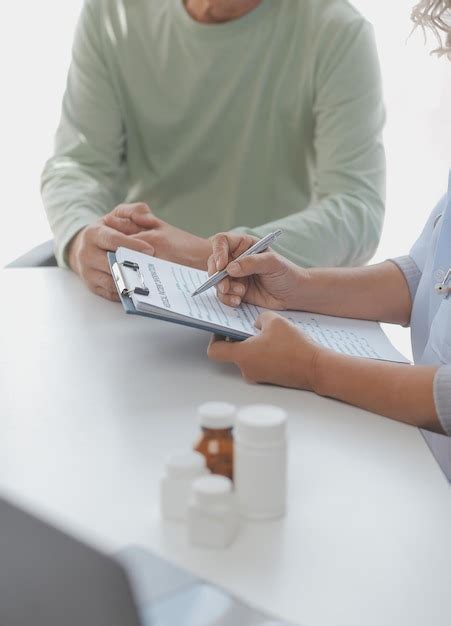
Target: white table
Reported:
[(93, 401)]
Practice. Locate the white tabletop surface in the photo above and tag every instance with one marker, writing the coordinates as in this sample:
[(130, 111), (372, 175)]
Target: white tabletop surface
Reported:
[(92, 401)]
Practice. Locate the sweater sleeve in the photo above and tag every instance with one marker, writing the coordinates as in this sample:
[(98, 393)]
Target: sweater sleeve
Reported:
[(442, 396), (342, 225), (85, 177)]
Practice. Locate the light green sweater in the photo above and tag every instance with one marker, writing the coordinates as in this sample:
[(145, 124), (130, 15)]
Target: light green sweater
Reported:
[(271, 120)]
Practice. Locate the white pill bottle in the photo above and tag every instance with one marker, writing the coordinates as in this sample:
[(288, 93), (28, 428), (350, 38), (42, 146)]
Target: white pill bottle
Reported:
[(261, 461), (175, 487), (212, 513)]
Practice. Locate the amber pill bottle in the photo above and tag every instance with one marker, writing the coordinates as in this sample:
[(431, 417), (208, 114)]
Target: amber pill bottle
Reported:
[(216, 420)]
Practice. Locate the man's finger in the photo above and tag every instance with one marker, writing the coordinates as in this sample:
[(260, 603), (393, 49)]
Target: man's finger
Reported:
[(125, 226), (99, 261), (102, 284), (222, 351), (108, 295), (111, 240), (130, 211), (100, 279), (263, 263), (139, 213)]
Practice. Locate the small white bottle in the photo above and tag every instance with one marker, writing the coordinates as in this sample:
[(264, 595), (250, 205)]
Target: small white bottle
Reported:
[(212, 512), (261, 461), (175, 489)]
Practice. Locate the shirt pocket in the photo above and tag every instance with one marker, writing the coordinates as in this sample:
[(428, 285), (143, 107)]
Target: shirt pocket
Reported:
[(440, 335)]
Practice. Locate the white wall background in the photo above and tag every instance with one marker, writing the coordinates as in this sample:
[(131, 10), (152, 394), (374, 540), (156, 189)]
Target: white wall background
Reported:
[(35, 45)]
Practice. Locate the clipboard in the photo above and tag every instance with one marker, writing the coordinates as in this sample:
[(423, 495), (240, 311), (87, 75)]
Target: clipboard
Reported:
[(128, 279)]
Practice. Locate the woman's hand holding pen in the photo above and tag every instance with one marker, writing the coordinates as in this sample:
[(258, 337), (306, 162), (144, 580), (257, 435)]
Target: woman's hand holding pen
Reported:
[(266, 279), (280, 354)]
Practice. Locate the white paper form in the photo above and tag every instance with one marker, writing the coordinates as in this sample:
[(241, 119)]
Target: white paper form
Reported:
[(171, 286), (347, 336)]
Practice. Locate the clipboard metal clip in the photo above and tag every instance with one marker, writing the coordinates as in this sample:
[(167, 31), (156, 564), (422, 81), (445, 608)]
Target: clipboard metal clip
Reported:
[(139, 289)]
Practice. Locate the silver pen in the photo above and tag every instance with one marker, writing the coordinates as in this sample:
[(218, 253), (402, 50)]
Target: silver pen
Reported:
[(259, 246)]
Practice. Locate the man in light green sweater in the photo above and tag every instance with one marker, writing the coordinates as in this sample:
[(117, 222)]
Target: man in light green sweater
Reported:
[(218, 114)]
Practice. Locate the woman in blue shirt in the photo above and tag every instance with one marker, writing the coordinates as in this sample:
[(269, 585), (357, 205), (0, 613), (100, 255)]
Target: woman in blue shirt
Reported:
[(414, 289)]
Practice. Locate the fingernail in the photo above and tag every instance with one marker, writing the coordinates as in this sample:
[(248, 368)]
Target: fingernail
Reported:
[(235, 301), (233, 267), (149, 251), (238, 289)]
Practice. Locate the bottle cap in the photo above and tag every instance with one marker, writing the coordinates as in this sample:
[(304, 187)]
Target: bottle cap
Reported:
[(185, 465), (212, 490), (217, 415), (261, 424)]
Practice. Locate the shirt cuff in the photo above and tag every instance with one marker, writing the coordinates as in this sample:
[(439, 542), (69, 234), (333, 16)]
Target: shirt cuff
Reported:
[(411, 273), (442, 397)]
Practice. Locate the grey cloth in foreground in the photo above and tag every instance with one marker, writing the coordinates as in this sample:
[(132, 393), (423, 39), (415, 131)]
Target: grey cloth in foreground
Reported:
[(442, 396)]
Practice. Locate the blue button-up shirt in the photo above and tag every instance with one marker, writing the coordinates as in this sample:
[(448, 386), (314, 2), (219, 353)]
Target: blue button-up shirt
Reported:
[(426, 266)]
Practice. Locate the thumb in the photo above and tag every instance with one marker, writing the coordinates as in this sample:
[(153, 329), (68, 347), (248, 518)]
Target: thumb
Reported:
[(265, 319), (221, 350)]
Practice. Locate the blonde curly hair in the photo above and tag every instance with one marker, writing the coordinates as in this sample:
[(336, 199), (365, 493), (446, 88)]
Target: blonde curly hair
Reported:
[(435, 15)]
